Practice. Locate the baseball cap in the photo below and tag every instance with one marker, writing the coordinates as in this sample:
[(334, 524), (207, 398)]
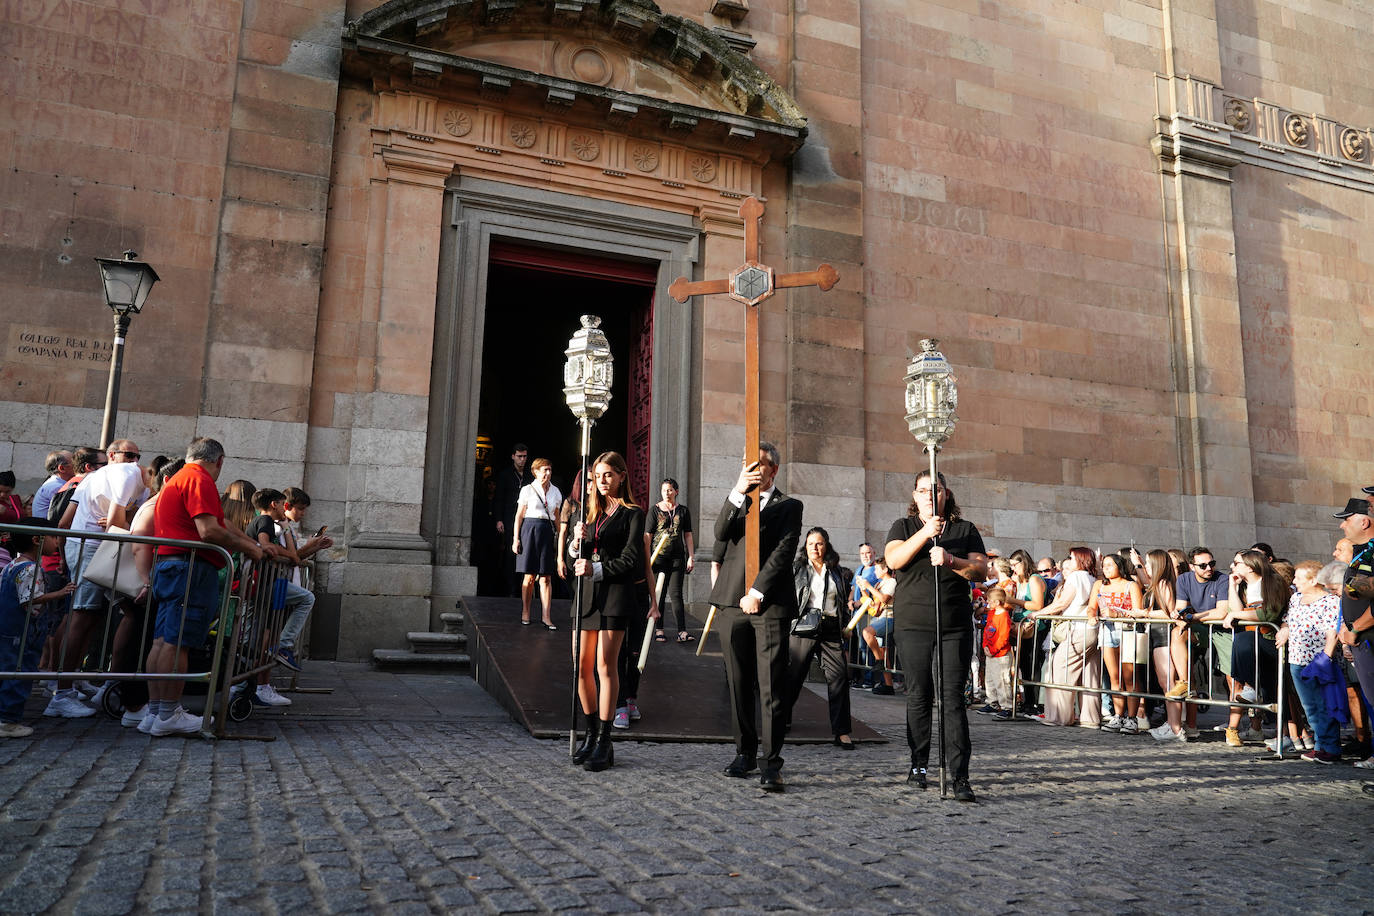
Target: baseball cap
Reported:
[(1369, 490), (1353, 506)]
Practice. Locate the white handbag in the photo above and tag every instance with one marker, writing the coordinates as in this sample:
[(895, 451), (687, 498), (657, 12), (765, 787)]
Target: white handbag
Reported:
[(112, 566)]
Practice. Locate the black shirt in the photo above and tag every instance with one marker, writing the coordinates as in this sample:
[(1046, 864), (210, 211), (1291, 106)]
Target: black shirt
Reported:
[(676, 525), (1352, 608), (913, 608), (263, 524)]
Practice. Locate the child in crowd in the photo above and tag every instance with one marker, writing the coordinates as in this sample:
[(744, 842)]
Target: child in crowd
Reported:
[(880, 622), (291, 531), (271, 506), (23, 626), (997, 658)]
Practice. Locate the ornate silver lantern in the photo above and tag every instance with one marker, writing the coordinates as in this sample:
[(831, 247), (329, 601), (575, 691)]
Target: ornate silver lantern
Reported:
[(587, 373), (931, 396)]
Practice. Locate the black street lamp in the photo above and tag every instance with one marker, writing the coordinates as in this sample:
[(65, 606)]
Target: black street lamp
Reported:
[(127, 283)]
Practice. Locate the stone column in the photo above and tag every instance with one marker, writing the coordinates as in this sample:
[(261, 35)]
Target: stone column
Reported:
[(1216, 482), (386, 582), (826, 369)]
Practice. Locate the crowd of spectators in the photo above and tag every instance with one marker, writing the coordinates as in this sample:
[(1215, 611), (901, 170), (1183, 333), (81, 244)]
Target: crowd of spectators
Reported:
[(1132, 643), (55, 618)]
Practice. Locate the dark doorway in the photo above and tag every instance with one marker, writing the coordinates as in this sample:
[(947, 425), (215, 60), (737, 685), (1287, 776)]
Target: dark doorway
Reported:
[(534, 300)]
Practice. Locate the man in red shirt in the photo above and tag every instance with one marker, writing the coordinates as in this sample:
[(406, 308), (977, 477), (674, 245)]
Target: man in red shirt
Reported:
[(186, 581)]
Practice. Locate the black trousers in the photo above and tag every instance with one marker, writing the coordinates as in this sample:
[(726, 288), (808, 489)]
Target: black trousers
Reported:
[(755, 649), (835, 664), (672, 595), (917, 648), (629, 648)]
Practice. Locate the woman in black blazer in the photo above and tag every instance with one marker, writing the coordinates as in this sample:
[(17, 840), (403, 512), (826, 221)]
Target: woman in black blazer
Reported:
[(614, 529), (818, 585)]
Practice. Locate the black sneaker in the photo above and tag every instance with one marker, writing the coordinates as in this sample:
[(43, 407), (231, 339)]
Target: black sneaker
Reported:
[(883, 690), (1003, 715), (916, 778), (988, 710), (963, 791)]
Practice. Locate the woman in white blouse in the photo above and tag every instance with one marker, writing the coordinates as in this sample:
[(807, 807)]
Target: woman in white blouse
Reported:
[(536, 511), (819, 587), (1077, 658)]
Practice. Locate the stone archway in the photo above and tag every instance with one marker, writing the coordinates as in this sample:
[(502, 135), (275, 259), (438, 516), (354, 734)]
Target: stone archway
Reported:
[(569, 124)]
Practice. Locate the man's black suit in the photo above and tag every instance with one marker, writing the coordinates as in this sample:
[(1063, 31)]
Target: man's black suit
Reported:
[(755, 645)]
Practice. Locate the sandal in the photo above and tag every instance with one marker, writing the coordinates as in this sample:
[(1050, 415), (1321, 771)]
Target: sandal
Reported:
[(660, 636), (684, 636)]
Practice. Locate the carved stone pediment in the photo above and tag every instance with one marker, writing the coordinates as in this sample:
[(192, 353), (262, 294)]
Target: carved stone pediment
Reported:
[(619, 61)]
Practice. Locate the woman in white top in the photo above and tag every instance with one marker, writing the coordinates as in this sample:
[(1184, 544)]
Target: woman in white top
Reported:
[(1077, 658), (536, 511)]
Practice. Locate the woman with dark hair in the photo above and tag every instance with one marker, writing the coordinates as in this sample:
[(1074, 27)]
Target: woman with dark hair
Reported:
[(1257, 595), (614, 528), (1076, 659), (1118, 598), (670, 537), (536, 510), (820, 587), (1031, 594), (934, 551)]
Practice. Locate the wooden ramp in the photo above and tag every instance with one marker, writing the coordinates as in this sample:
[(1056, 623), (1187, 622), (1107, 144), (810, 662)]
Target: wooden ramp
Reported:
[(528, 670)]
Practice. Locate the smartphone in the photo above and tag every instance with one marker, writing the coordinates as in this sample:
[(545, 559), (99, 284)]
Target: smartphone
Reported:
[(323, 529)]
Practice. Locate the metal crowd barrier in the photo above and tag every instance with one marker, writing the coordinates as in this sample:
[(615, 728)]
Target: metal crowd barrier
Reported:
[(1254, 678), (251, 611)]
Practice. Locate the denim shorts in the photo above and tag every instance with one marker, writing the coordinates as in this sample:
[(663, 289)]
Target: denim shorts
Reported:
[(88, 596), (1109, 635), (170, 578), (881, 627)]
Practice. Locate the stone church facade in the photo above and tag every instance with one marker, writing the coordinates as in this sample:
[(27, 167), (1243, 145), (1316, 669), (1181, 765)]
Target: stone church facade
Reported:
[(1139, 229)]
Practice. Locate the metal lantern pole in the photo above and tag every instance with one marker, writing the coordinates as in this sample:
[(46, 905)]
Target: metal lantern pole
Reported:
[(587, 389), (931, 399), (127, 282)]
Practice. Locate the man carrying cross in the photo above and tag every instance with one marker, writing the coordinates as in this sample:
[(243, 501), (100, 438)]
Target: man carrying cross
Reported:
[(754, 590), (756, 614)]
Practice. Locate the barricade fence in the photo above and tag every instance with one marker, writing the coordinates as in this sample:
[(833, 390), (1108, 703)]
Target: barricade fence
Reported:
[(1137, 641), (104, 630), (1082, 649)]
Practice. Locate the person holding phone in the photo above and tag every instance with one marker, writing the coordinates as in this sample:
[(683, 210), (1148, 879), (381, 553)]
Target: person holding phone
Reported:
[(289, 531)]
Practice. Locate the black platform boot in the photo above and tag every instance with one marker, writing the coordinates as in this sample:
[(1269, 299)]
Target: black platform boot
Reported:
[(584, 750), (603, 755)]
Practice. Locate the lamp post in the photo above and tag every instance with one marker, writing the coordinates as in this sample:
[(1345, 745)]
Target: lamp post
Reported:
[(127, 282), (931, 399), (587, 389)]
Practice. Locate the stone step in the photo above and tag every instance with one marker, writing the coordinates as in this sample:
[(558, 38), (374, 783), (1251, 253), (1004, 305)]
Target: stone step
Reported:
[(405, 660), (453, 622), (427, 643)]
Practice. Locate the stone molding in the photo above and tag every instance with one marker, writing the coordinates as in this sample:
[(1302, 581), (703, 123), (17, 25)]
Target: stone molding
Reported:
[(1207, 131), (746, 108), (422, 139)]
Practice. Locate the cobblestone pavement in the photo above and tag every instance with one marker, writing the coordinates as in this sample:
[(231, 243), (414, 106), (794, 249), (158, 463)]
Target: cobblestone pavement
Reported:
[(407, 793)]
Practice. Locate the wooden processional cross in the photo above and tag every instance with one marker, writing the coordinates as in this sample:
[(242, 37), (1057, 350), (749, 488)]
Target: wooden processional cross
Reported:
[(751, 283)]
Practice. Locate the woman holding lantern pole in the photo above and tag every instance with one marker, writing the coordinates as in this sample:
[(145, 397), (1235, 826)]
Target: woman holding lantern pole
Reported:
[(614, 560), (932, 550)]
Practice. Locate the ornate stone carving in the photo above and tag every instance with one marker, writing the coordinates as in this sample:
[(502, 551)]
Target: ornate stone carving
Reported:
[(1238, 115), (703, 169), (645, 157), (1295, 129), (585, 147), (522, 134), (1353, 145), (457, 122), (590, 65)]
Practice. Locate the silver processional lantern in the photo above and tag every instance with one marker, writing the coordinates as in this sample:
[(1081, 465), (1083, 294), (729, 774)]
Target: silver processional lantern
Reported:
[(588, 371), (931, 396)]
